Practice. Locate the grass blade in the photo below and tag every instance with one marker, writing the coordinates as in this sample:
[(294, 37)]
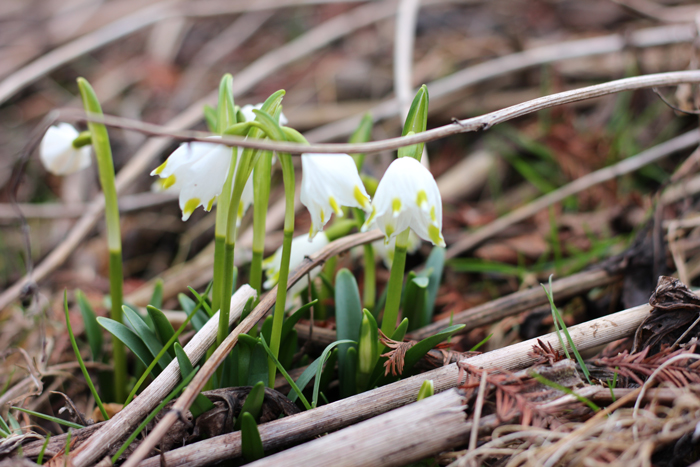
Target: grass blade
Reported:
[(98, 401), (49, 418)]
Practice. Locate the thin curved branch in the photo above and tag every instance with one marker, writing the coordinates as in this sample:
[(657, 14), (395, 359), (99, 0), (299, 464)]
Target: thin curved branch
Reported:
[(483, 122)]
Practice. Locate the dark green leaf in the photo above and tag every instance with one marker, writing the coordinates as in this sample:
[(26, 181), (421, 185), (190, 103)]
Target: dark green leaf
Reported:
[(92, 329), (348, 319), (250, 439), (164, 330), (157, 297), (253, 404), (415, 298), (201, 403), (130, 339), (435, 265), (147, 335)]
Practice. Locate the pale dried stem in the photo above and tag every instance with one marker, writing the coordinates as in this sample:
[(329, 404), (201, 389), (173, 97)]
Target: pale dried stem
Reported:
[(127, 203), (388, 440), (297, 428), (520, 301), (478, 406), (480, 123), (126, 420)]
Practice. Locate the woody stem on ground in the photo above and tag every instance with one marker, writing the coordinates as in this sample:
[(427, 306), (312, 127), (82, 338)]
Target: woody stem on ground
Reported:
[(105, 166)]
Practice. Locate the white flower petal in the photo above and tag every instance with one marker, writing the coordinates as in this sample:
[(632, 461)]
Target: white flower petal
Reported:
[(58, 154), (328, 182), (407, 196), (199, 171)]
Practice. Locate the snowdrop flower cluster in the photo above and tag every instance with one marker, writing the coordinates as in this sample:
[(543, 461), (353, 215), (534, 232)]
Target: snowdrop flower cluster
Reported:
[(59, 155)]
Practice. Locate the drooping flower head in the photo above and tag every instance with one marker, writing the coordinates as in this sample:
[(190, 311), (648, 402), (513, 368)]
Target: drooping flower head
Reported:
[(58, 154), (407, 196), (328, 182), (198, 170), (301, 248)]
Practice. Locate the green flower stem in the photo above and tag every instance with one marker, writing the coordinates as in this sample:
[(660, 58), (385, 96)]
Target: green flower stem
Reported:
[(278, 316), (369, 298), (83, 139), (370, 283), (226, 117), (261, 188), (105, 166), (393, 297)]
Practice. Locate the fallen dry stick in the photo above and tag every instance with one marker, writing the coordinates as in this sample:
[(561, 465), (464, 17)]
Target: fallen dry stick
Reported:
[(409, 433), (345, 412), (517, 302)]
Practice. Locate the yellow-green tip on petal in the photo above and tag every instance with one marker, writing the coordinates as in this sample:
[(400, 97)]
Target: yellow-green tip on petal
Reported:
[(160, 168), (335, 207), (421, 198), (435, 235), (396, 206), (210, 204), (360, 197), (170, 181), (190, 206)]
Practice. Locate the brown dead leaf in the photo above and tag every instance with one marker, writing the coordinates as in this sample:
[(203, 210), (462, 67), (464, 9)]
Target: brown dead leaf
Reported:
[(675, 308)]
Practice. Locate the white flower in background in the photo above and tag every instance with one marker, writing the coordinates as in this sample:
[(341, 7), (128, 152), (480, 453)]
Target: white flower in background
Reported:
[(58, 154), (198, 171), (301, 248), (329, 181), (407, 196), (386, 250), (247, 111)]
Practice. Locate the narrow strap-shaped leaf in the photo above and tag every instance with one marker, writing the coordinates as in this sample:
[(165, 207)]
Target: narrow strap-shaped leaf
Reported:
[(130, 339), (348, 320), (157, 296), (164, 330), (92, 329), (147, 336), (253, 404), (251, 443), (201, 403)]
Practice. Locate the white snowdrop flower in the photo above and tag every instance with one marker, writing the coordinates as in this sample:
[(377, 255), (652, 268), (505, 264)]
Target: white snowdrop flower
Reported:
[(407, 196), (301, 248), (329, 181), (198, 170), (247, 111), (58, 154)]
